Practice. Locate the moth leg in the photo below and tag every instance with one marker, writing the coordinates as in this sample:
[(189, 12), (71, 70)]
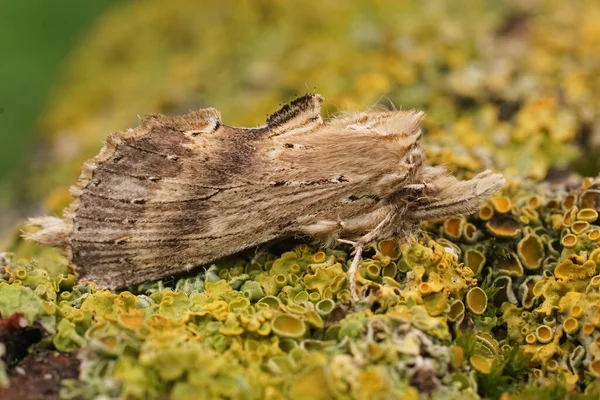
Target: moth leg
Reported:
[(352, 271), (259, 252), (360, 245)]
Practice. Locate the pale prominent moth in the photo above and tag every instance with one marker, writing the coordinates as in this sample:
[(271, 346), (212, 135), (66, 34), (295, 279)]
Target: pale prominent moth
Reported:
[(181, 192)]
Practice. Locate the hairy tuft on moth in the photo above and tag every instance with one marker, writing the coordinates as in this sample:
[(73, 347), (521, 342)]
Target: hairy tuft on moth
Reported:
[(182, 191)]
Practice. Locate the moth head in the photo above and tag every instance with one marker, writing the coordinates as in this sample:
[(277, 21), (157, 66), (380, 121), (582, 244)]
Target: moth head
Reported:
[(378, 148)]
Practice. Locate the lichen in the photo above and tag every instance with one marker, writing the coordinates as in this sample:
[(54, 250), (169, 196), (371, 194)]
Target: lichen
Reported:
[(504, 303)]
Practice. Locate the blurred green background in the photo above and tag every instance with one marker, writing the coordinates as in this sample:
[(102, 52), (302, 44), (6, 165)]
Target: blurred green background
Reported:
[(35, 39)]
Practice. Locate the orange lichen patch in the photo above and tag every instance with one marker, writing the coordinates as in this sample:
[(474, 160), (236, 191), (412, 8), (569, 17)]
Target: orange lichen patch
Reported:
[(424, 288), (486, 212), (401, 315), (530, 338), (570, 325), (580, 227), (501, 204), (458, 356), (594, 235), (554, 247), (504, 227), (453, 227), (587, 214), (553, 205), (550, 321), (470, 233), (510, 266), (489, 345), (534, 201), (435, 303), (312, 318), (595, 368), (569, 201), (595, 255), (481, 364), (402, 265), (389, 270), (588, 329), (542, 353), (288, 326), (590, 199), (389, 248), (132, 320), (526, 290), (577, 311), (567, 270), (552, 366), (540, 287), (577, 356), (594, 315), (569, 217), (476, 300), (457, 310), (587, 182), (570, 302), (320, 257), (569, 241), (531, 252), (474, 260), (532, 215), (544, 334), (372, 271), (556, 222), (21, 274)]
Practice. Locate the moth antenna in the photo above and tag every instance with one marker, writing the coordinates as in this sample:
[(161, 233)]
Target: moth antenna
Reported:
[(304, 114), (53, 231)]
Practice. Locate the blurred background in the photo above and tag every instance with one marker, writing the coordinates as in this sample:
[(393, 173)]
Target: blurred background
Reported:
[(35, 40), (510, 85)]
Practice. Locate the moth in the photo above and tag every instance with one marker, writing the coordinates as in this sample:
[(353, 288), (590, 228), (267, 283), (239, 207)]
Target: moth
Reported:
[(181, 192)]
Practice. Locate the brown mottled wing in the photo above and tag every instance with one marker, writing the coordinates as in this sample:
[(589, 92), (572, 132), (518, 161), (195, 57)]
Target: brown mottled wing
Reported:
[(165, 198), (180, 192)]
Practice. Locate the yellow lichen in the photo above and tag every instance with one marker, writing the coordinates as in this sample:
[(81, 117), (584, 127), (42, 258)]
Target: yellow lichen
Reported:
[(476, 300), (531, 252)]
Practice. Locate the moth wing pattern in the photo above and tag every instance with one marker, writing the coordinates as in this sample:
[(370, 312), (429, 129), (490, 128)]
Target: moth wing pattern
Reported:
[(180, 192)]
